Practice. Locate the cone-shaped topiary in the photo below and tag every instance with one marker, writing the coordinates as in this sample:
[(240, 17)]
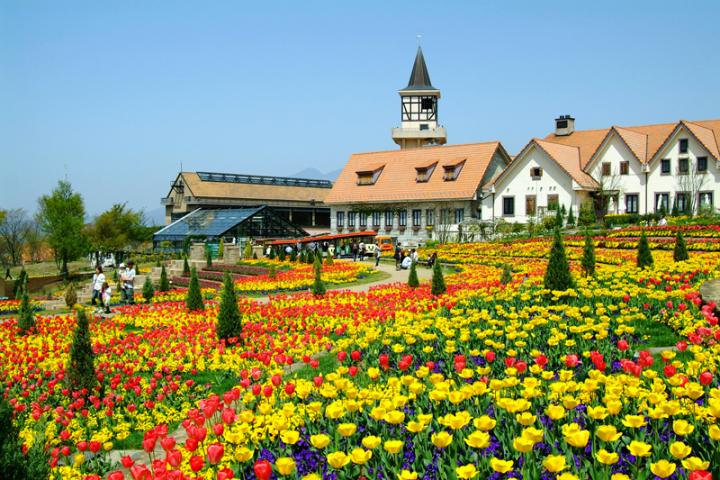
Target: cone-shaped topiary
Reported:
[(644, 255), (329, 260), (557, 275), (164, 282), (186, 267), (680, 252), (194, 300), (293, 255), (281, 255), (70, 295), (208, 256), (229, 322), (310, 258), (81, 367), (438, 280), (26, 318), (20, 284), (248, 252), (506, 274), (588, 259), (221, 248), (558, 218), (272, 254), (303, 256), (318, 285), (571, 218), (148, 290), (413, 281), (254, 256)]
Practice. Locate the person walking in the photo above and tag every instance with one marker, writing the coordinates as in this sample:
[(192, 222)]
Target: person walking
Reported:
[(397, 257), (97, 283), (377, 254), (106, 295), (361, 250), (414, 256), (129, 283), (354, 249)]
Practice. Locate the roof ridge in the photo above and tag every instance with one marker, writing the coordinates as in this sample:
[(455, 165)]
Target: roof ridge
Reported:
[(410, 150)]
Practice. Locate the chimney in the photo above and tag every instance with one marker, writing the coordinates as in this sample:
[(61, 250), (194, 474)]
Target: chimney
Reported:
[(564, 125)]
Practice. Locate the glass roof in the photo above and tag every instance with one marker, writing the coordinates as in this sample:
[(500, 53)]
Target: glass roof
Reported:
[(208, 223)]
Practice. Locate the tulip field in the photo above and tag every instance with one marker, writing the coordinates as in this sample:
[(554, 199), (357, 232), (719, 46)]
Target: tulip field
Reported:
[(489, 380)]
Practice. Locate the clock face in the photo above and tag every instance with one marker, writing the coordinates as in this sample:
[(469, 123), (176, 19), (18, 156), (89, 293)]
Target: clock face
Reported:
[(419, 108)]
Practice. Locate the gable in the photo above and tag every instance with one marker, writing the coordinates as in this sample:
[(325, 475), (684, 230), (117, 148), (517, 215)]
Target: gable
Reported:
[(518, 172), (613, 150), (670, 146)]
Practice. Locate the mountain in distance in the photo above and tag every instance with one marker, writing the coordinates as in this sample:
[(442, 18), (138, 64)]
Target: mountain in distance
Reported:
[(315, 174)]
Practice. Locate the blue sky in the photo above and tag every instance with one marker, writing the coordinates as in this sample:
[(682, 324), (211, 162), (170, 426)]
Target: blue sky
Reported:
[(116, 95)]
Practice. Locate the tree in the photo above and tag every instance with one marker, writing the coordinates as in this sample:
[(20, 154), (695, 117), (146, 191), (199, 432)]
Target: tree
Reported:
[(20, 284), (248, 252), (61, 216), (208, 256), (588, 259), (438, 280), (164, 283), (310, 258), (26, 318), (680, 252), (559, 217), (14, 233), (194, 300), (329, 260), (586, 216), (71, 298), (81, 366), (318, 286), (281, 255), (15, 465), (186, 267), (557, 274), (148, 290), (644, 255), (229, 322), (413, 281), (271, 256), (506, 277), (221, 248), (117, 230), (571, 217)]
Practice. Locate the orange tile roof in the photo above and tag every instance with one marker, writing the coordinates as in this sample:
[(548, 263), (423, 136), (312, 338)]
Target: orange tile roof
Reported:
[(587, 142), (397, 182), (568, 157), (707, 133), (636, 142)]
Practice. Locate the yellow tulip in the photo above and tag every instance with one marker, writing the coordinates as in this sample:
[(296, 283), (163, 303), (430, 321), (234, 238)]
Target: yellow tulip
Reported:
[(290, 437), (407, 475), (466, 471), (441, 439), (534, 434), (394, 417), (607, 458), (634, 421), (554, 463), (335, 410), (555, 412), (347, 429), (663, 468), (679, 450), (285, 465), (393, 446), (619, 476), (639, 449), (370, 442), (338, 460), (607, 433), (478, 439), (484, 423), (360, 456), (597, 413), (694, 463), (415, 427), (312, 476), (567, 476), (682, 427), (578, 439), (523, 445), (525, 418), (714, 432), (243, 454), (501, 466), (319, 441)]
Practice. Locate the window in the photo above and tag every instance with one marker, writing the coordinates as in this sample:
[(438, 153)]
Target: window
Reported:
[(370, 176), (444, 216), (351, 219), (683, 166), (388, 218), (429, 217), (340, 216), (376, 219), (423, 174), (536, 173), (631, 203), (553, 201), (662, 202), (508, 206), (605, 169), (624, 168), (363, 219), (424, 126), (705, 201), (417, 218), (665, 166), (681, 202), (416, 108), (402, 218), (426, 103), (459, 215), (683, 145), (452, 172), (701, 164), (530, 204)]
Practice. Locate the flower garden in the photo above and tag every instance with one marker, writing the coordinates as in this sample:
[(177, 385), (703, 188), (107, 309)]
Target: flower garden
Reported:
[(489, 380)]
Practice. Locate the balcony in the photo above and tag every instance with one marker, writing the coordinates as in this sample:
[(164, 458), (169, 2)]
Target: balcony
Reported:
[(167, 201)]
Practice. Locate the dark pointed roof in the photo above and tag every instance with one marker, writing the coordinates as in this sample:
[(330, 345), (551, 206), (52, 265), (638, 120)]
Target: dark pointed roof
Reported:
[(419, 78)]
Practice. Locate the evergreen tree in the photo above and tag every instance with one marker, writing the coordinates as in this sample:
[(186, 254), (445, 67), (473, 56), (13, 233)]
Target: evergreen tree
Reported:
[(310, 257), (587, 214), (303, 256), (438, 280), (208, 256), (272, 254), (194, 300), (81, 367), (680, 252), (221, 248), (281, 255), (229, 322), (329, 260), (164, 282), (26, 318), (293, 256), (557, 275), (70, 295), (248, 252), (506, 274), (318, 287), (13, 464), (20, 283), (558, 218), (588, 259), (644, 255), (413, 281), (186, 267), (254, 256), (571, 218), (148, 290)]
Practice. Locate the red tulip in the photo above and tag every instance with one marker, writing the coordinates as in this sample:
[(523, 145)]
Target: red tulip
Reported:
[(682, 345), (342, 356), (218, 429), (541, 360), (127, 461), (140, 472), (626, 298), (700, 475), (215, 453), (622, 345), (225, 474), (318, 381), (706, 378), (356, 355), (256, 389), (228, 416), (571, 360), (82, 446), (521, 366), (490, 356), (174, 458), (148, 444), (353, 371), (276, 380), (95, 447), (263, 469), (196, 463), (268, 391), (669, 370), (116, 475)]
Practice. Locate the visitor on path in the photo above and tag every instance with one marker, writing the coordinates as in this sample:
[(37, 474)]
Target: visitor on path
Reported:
[(97, 282), (288, 250), (377, 254), (129, 283), (662, 222), (354, 250), (106, 295), (414, 256), (397, 257), (431, 261), (406, 262), (361, 250)]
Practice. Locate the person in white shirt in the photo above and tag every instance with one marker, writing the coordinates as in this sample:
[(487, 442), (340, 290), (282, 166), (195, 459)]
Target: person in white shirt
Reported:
[(128, 280), (662, 222), (406, 262), (106, 295), (414, 255), (97, 282)]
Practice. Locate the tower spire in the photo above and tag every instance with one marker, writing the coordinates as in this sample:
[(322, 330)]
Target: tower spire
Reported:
[(419, 77)]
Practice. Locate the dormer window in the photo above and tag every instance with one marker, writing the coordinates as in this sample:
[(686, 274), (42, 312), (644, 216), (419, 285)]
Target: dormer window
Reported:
[(536, 173), (683, 146), (424, 173), (452, 171), (369, 176)]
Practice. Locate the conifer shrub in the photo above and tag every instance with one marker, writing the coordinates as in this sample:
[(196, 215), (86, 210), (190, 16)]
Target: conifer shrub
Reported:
[(221, 248), (148, 290), (229, 322), (248, 251), (586, 216), (680, 252), (81, 366), (557, 274), (281, 256), (644, 255), (506, 277), (329, 260), (588, 259), (413, 281), (26, 318), (186, 266), (272, 254), (164, 282), (438, 280), (193, 300), (208, 256), (571, 217), (318, 286), (71, 298)]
